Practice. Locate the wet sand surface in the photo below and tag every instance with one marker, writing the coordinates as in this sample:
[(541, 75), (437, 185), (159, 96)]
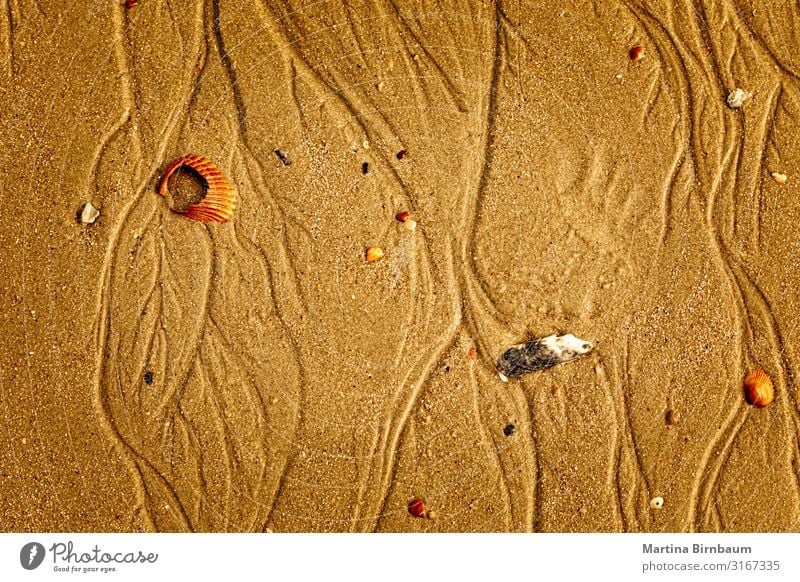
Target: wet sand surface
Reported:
[(558, 185)]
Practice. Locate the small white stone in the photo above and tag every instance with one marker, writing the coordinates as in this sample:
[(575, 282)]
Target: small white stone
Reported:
[(779, 178), (409, 225), (89, 213), (503, 377), (657, 503), (736, 98)]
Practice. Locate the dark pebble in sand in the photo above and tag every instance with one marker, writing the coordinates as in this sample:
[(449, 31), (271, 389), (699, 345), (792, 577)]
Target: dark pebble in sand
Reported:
[(402, 154), (509, 430), (148, 378), (283, 157), (540, 354), (365, 167)]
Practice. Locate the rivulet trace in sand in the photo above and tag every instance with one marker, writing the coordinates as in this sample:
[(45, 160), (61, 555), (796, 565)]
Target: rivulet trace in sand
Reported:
[(557, 187)]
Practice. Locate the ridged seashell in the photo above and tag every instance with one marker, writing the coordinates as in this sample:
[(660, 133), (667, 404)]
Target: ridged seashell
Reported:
[(758, 388), (220, 200)]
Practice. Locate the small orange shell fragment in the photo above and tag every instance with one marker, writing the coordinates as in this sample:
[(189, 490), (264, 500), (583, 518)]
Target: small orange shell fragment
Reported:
[(373, 254), (220, 200), (758, 388)]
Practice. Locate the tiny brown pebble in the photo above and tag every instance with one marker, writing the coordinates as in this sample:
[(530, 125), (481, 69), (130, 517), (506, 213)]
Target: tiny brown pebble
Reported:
[(509, 430), (416, 507), (365, 168), (554, 390), (432, 514), (636, 53), (131, 3), (403, 216), (402, 154), (379, 85), (472, 353), (671, 417)]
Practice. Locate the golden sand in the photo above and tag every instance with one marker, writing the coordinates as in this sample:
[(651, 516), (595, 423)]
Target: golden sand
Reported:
[(157, 373)]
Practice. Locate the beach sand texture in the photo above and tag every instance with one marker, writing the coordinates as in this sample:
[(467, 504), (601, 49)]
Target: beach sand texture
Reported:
[(558, 186)]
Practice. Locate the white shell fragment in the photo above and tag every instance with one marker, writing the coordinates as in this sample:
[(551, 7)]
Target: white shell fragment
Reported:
[(656, 503), (540, 354), (89, 213), (736, 98), (779, 178)]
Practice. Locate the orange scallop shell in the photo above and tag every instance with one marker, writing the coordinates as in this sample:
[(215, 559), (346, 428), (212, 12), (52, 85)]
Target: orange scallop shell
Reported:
[(220, 199), (758, 388)]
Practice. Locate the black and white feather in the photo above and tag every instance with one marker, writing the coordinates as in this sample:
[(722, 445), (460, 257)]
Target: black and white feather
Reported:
[(540, 354)]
